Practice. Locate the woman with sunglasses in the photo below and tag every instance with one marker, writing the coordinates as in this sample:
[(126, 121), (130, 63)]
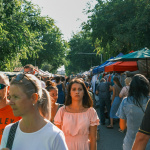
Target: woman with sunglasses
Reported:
[(78, 119), (34, 130)]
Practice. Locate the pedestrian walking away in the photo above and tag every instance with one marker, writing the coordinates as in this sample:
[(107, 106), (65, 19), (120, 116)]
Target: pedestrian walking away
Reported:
[(132, 109)]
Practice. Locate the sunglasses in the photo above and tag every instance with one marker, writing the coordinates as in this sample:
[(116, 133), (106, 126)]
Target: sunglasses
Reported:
[(20, 77), (2, 86), (29, 72)]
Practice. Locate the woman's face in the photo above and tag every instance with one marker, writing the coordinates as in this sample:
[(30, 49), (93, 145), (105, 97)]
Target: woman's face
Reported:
[(77, 92), (19, 101), (54, 95)]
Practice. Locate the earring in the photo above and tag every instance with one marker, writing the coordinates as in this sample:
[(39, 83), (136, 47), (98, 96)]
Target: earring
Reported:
[(33, 104)]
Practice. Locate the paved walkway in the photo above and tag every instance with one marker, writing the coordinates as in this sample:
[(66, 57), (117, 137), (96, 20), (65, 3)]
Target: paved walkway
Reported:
[(110, 139)]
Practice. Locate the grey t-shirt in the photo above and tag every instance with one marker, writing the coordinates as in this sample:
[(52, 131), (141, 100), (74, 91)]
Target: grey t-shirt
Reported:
[(103, 89)]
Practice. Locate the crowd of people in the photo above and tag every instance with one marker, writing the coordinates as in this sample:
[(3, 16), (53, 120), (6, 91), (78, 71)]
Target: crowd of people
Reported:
[(61, 113)]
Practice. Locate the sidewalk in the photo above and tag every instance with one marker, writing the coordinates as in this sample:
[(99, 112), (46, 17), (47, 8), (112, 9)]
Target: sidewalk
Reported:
[(110, 139)]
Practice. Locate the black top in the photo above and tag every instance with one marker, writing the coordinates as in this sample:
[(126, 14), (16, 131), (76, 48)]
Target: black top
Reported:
[(145, 125)]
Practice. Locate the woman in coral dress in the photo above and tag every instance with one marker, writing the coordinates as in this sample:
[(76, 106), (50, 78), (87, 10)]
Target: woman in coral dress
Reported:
[(78, 119)]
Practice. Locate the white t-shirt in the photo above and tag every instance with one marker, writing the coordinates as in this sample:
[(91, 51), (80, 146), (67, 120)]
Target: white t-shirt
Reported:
[(124, 91), (43, 84), (47, 138)]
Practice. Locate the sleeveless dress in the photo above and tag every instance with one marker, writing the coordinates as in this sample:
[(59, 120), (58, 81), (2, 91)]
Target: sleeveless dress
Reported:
[(116, 103), (61, 96), (76, 127)]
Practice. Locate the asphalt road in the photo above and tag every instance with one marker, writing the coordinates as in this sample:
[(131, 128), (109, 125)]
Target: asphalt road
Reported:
[(110, 139)]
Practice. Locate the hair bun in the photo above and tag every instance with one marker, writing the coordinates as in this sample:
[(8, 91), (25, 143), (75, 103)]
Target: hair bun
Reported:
[(50, 83)]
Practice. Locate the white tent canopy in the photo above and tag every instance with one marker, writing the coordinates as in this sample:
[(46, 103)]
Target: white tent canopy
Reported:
[(45, 73)]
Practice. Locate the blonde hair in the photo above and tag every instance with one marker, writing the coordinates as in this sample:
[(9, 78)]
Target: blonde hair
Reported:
[(128, 80), (45, 107), (4, 78), (30, 85)]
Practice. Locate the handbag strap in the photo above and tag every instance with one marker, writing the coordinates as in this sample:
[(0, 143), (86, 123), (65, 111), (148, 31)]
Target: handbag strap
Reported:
[(11, 135)]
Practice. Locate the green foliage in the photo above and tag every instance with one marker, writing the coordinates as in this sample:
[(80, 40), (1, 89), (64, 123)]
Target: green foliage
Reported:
[(17, 40), (46, 67), (54, 49), (27, 36), (119, 26), (78, 62)]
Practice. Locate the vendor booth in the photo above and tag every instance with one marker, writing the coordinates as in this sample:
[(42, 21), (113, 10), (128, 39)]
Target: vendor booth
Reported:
[(122, 66)]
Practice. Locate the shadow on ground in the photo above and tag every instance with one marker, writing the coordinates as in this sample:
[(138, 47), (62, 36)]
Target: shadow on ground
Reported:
[(110, 139)]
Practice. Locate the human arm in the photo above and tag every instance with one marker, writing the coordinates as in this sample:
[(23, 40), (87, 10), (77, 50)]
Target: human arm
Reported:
[(110, 88), (63, 87), (113, 96), (123, 92), (140, 141), (120, 95), (92, 137), (58, 119), (96, 92), (94, 122)]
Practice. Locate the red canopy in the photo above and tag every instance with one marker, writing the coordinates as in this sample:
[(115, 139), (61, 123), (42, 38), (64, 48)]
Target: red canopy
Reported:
[(122, 66)]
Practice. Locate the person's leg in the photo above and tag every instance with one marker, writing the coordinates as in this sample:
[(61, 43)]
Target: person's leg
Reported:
[(111, 124), (108, 106), (102, 114)]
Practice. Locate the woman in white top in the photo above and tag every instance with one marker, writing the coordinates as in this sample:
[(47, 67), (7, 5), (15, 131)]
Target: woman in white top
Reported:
[(125, 89), (34, 130)]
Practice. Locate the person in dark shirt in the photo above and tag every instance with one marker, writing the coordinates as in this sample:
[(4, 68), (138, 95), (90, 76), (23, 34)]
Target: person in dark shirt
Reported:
[(103, 90)]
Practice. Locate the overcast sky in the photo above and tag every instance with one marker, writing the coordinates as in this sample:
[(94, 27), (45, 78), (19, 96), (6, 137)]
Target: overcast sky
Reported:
[(67, 14)]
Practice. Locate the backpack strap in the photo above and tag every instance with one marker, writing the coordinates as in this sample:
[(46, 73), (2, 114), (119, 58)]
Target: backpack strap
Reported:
[(11, 135)]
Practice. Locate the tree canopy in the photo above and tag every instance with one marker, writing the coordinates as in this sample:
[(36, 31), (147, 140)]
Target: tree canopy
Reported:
[(80, 56), (113, 26), (26, 35), (119, 25)]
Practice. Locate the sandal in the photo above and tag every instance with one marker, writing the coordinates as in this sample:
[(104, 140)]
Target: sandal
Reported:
[(110, 127), (120, 130)]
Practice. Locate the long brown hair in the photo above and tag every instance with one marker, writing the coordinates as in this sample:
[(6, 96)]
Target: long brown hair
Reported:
[(87, 101), (116, 79), (50, 85)]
